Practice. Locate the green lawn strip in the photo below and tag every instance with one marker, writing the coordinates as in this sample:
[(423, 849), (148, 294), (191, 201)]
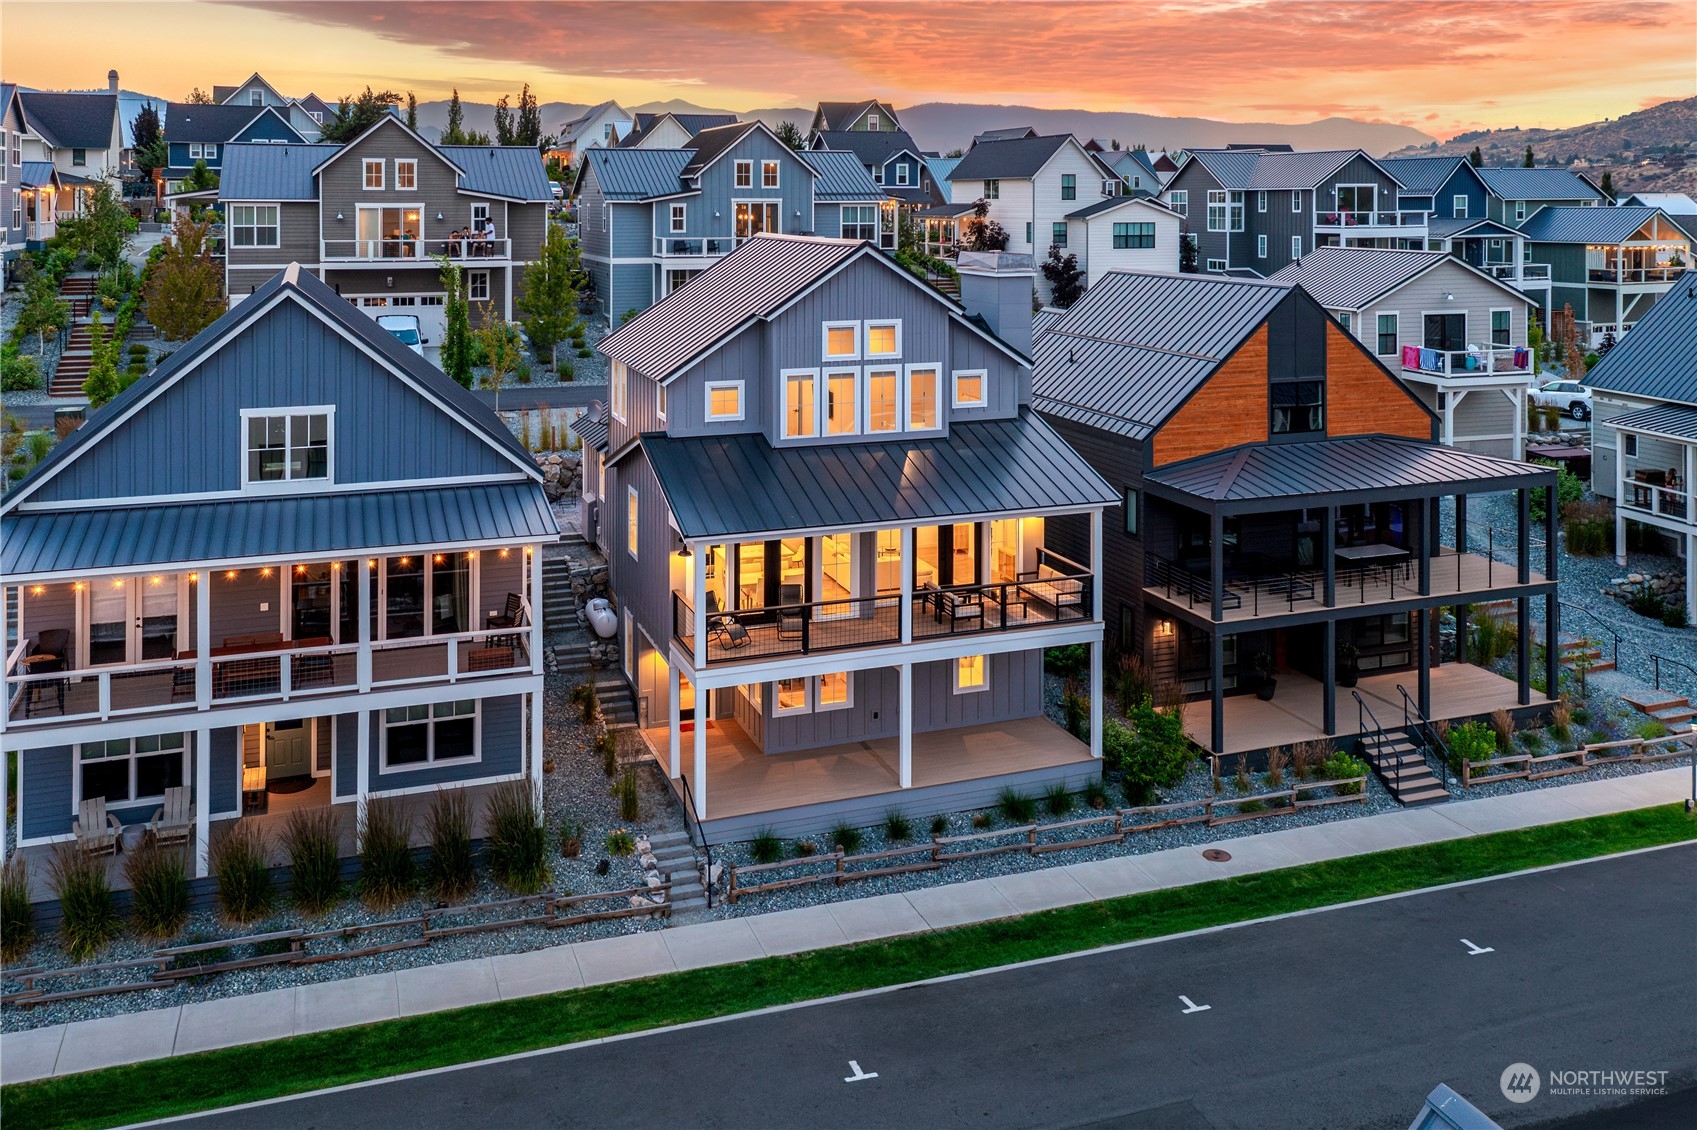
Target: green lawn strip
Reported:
[(244, 1074)]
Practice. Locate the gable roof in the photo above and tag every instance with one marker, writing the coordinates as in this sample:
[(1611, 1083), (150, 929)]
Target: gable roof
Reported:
[(1261, 170), (1127, 163), (941, 167), (1449, 227), (1656, 360), (188, 121), (841, 115), (257, 171), (636, 174), (70, 121), (873, 147), (1353, 278), (390, 121), (39, 174), (1015, 159), (1423, 176), (712, 144), (569, 131), (1007, 133), (1673, 203), (313, 104), (513, 172), (1539, 184), (1128, 353), (1580, 223), (1110, 203), (691, 124), (231, 91), (841, 177)]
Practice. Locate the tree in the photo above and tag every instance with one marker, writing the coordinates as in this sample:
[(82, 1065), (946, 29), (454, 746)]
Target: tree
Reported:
[(1066, 281), (790, 134), (475, 137), (456, 335), (1528, 161), (979, 232), (154, 157), (185, 287), (1608, 185), (103, 231), (957, 151), (412, 111), (1116, 144), (1476, 158), (548, 305), (1186, 250), (1572, 348), (102, 383), (503, 122), (200, 178), (529, 128), (148, 142), (454, 132), (353, 116), (43, 311), (500, 353), (198, 97)]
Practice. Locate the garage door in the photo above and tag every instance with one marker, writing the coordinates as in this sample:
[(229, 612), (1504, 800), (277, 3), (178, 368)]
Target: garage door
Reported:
[(432, 314)]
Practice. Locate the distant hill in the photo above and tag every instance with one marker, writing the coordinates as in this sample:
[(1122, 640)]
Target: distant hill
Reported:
[(1653, 150)]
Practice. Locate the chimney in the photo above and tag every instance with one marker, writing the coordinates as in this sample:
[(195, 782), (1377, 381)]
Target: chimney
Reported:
[(112, 81), (996, 286)]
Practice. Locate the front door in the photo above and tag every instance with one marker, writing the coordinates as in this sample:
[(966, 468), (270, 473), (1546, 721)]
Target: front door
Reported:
[(288, 749)]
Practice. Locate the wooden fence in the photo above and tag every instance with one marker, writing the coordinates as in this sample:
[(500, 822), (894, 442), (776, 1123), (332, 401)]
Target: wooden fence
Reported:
[(175, 964), (1113, 827), (1531, 766)]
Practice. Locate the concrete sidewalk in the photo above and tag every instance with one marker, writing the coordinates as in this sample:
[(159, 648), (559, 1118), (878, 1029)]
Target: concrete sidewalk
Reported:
[(136, 1037)]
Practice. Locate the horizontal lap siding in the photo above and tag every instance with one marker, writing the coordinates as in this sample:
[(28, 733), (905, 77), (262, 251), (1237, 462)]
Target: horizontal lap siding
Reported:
[(1362, 398), (297, 238), (502, 746), (527, 224), (44, 791), (1229, 409)]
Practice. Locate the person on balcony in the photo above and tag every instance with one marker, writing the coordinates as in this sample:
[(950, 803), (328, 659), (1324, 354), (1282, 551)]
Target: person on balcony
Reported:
[(488, 234)]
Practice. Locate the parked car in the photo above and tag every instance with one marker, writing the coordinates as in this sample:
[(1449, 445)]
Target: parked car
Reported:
[(405, 329), (1571, 397)]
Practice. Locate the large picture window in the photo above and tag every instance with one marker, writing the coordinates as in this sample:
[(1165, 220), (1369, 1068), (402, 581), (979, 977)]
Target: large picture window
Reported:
[(287, 446), (1216, 210), (416, 736), (860, 221), (254, 225), (132, 770), (1132, 237)]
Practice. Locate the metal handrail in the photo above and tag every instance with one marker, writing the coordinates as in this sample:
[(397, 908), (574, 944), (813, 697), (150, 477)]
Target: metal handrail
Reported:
[(1362, 713), (1614, 635), (689, 802), (1658, 660), (1433, 738)]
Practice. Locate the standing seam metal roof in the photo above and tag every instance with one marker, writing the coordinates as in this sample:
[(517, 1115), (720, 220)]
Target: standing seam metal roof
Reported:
[(513, 171), (841, 177), (638, 174), (1350, 278), (1538, 184), (1656, 360), (1668, 420), (1422, 176), (1578, 223), (1259, 170), (253, 171)]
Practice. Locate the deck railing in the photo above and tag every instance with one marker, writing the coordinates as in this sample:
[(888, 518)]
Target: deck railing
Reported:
[(1654, 498), (417, 250), (1372, 219), (1468, 362), (693, 245)]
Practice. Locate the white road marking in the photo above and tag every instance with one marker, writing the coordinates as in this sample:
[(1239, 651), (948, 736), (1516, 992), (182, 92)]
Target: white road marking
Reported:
[(1475, 951), (1191, 1006), (858, 1073)]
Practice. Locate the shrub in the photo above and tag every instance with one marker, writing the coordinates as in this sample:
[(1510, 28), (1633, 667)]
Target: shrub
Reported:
[(897, 827), (1096, 794), (584, 697), (1149, 749), (1647, 603), (1057, 801), (450, 873), (1531, 741), (1651, 729), (1277, 758), (89, 920), (1069, 662), (1471, 742), (805, 848), (1570, 488), (1016, 806), (159, 888), (1241, 780), (1076, 709), (844, 838), (387, 871), (565, 371), (17, 930), (311, 838), (244, 882), (571, 839), (1561, 721), (608, 747), (620, 842), (1673, 614), (522, 372), (629, 797), (18, 372), (1502, 723), (1341, 765), (516, 844), (585, 353), (1304, 756), (766, 847), (939, 825), (1135, 683), (981, 820)]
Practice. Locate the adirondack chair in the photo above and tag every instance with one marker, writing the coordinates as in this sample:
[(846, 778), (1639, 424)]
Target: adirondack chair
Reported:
[(97, 831), (173, 823)]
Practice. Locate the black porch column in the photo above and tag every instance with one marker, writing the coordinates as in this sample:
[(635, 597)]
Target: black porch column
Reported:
[(1523, 546), (1550, 521), (1217, 670), (1217, 563), (1329, 679), (1329, 548), (1461, 523), (1423, 689), (1552, 647), (1427, 544), (1523, 650)]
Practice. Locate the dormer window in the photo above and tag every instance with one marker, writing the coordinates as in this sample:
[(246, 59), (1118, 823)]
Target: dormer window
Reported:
[(256, 98), (287, 446), (872, 122), (745, 174), (901, 172)]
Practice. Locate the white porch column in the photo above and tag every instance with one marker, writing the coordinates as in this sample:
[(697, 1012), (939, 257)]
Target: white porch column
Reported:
[(1096, 565), (203, 641), (362, 666), (698, 602), (535, 707), (904, 728), (203, 797), (907, 586), (1620, 497), (1447, 404), (4, 777), (700, 783), (674, 740), (1096, 698), (534, 552), (362, 774), (1519, 401)]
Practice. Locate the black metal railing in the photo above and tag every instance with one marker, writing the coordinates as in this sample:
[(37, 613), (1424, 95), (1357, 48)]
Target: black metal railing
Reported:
[(1376, 735), (793, 628), (1614, 636), (689, 803), (1414, 721), (1657, 662)]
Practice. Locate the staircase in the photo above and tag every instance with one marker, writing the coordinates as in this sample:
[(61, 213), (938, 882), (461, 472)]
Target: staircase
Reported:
[(618, 707), (1574, 648), (1671, 710), (74, 363), (948, 284), (1401, 764), (675, 857), (559, 603)]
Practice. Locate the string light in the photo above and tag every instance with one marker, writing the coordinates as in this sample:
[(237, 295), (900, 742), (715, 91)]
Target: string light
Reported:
[(155, 581), (265, 572), (405, 560), (438, 559), (194, 578), (230, 576), (38, 590), (77, 587), (335, 566), (504, 552), (118, 583), (300, 568)]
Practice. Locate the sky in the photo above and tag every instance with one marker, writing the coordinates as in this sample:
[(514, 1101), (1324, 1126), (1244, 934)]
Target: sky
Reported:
[(1442, 66)]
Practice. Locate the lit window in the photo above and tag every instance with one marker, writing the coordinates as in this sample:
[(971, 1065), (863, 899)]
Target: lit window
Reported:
[(922, 397), (800, 409), (288, 446), (768, 174), (406, 174), (842, 341), (842, 401), (724, 400), (618, 388), (970, 674), (834, 691), (374, 173), (883, 339), (969, 388), (632, 514), (790, 696), (883, 387)]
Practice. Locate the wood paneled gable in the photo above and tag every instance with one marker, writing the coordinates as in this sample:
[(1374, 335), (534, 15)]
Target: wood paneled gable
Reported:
[(1231, 408), (1364, 398)]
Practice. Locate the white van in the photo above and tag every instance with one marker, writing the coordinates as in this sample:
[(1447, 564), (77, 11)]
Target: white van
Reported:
[(405, 329)]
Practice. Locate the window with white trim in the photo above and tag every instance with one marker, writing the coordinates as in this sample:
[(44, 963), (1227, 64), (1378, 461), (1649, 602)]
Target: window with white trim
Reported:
[(1236, 211), (971, 674), (842, 341), (833, 690), (883, 339), (660, 400), (877, 174), (1388, 332), (618, 388), (680, 217), (477, 286), (724, 401), (1520, 209), (287, 446), (406, 173), (1216, 209), (254, 225), (840, 402), (1458, 205), (745, 174), (417, 736), (633, 507), (768, 174), (373, 173), (970, 388), (902, 172), (1179, 200), (993, 189), (1261, 247), (860, 221), (883, 396), (132, 770), (1069, 186), (1501, 323), (922, 398), (1296, 200), (1296, 247), (1217, 265), (801, 410), (791, 696), (872, 123), (1629, 444), (1261, 201), (17, 208)]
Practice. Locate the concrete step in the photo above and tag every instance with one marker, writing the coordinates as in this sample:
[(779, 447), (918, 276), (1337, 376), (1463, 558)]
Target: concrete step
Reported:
[(1433, 795), (662, 839), (681, 907)]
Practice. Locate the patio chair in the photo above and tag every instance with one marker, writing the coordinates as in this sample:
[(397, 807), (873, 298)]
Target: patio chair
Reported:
[(172, 823), (51, 653), (792, 615), (508, 617), (723, 629), (959, 606), (97, 831)]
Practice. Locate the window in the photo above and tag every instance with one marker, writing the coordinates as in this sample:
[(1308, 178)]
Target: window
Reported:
[(1028, 231), (872, 122), (842, 402), (1296, 247), (618, 388), (131, 770), (800, 409), (1458, 204), (860, 221), (1058, 233), (1629, 444), (790, 696), (992, 190), (1237, 211), (1128, 502), (660, 400), (970, 391), (194, 150), (253, 225), (675, 278), (1180, 200), (416, 736), (902, 172), (1216, 264), (1261, 247), (680, 217), (833, 691), (1136, 182), (17, 208), (842, 341), (633, 507), (922, 397), (1520, 209), (256, 97), (970, 674), (1216, 210), (877, 174), (1069, 186), (607, 131), (406, 174), (288, 446), (745, 174), (477, 286), (373, 173), (1345, 320), (883, 388), (1296, 201), (883, 339), (1501, 320), (724, 400), (1134, 236), (1387, 344), (1261, 201), (768, 174), (79, 156), (754, 216), (211, 152), (1299, 407)]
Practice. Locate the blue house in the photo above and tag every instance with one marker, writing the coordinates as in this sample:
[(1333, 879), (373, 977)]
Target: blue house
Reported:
[(295, 560), (196, 132)]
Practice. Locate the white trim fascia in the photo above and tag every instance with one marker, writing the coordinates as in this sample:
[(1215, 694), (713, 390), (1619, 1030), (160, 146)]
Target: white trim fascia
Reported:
[(414, 789), (377, 487), (896, 523), (264, 111)]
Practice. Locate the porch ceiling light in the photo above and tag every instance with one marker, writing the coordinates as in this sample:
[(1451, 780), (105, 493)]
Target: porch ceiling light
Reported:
[(194, 578), (265, 572), (684, 552), (38, 590), (230, 576)]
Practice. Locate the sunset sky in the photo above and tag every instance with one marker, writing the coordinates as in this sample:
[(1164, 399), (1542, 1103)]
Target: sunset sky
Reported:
[(1438, 65)]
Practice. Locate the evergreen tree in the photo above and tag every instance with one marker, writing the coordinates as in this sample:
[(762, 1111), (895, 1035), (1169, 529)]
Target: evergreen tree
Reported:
[(454, 132), (790, 134), (503, 122), (456, 336), (412, 111), (1186, 250), (200, 177), (185, 287), (145, 132), (476, 137), (353, 116), (548, 306), (102, 383), (1528, 161), (1476, 158), (198, 97), (529, 128), (1066, 281), (1608, 185)]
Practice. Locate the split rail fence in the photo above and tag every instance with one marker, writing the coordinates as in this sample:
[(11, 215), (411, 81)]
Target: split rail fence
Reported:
[(1531, 766)]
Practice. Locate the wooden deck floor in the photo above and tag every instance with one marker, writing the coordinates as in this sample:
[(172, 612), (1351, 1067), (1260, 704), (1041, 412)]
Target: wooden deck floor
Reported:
[(742, 780), (1459, 691)]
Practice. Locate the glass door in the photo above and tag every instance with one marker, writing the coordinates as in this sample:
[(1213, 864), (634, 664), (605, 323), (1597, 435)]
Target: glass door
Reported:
[(132, 619), (156, 625), (311, 602), (835, 580), (109, 613)]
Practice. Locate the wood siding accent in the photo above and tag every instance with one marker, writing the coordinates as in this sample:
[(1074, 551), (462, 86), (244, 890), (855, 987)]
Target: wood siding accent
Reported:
[(1362, 398), (1230, 408)]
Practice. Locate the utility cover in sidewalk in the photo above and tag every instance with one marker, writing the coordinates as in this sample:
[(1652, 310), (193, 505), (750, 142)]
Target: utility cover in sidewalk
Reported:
[(1215, 855)]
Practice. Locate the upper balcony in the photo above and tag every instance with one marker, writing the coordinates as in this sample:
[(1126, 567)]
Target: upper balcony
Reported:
[(1520, 274), (693, 247), (1634, 276), (1409, 225), (1484, 361), (408, 251)]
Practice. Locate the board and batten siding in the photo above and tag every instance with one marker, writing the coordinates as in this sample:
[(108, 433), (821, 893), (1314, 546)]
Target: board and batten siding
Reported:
[(226, 770), (1197, 181), (384, 431), (45, 791), (341, 188), (743, 358), (643, 583), (501, 743), (1118, 459), (346, 777), (718, 191)]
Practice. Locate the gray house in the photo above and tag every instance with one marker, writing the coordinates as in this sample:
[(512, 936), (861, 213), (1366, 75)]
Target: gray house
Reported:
[(1609, 265), (295, 562), (370, 217), (830, 517), (11, 180)]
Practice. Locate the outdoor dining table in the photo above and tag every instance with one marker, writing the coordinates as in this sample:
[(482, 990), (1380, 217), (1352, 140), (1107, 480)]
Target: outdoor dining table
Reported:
[(1360, 558)]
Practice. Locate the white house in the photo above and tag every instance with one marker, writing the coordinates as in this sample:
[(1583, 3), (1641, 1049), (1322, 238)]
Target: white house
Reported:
[(1124, 233), (599, 126)]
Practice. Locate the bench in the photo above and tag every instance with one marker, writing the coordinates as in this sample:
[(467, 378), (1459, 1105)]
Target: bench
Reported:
[(1048, 585)]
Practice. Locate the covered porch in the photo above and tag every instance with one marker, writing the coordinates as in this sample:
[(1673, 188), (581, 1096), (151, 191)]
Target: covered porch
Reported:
[(1653, 473)]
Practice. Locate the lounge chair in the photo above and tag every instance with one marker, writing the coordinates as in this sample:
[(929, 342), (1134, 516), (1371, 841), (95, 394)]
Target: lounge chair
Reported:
[(97, 831), (172, 823)]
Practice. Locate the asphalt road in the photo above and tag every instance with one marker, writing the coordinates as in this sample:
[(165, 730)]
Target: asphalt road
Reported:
[(1340, 1019)]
